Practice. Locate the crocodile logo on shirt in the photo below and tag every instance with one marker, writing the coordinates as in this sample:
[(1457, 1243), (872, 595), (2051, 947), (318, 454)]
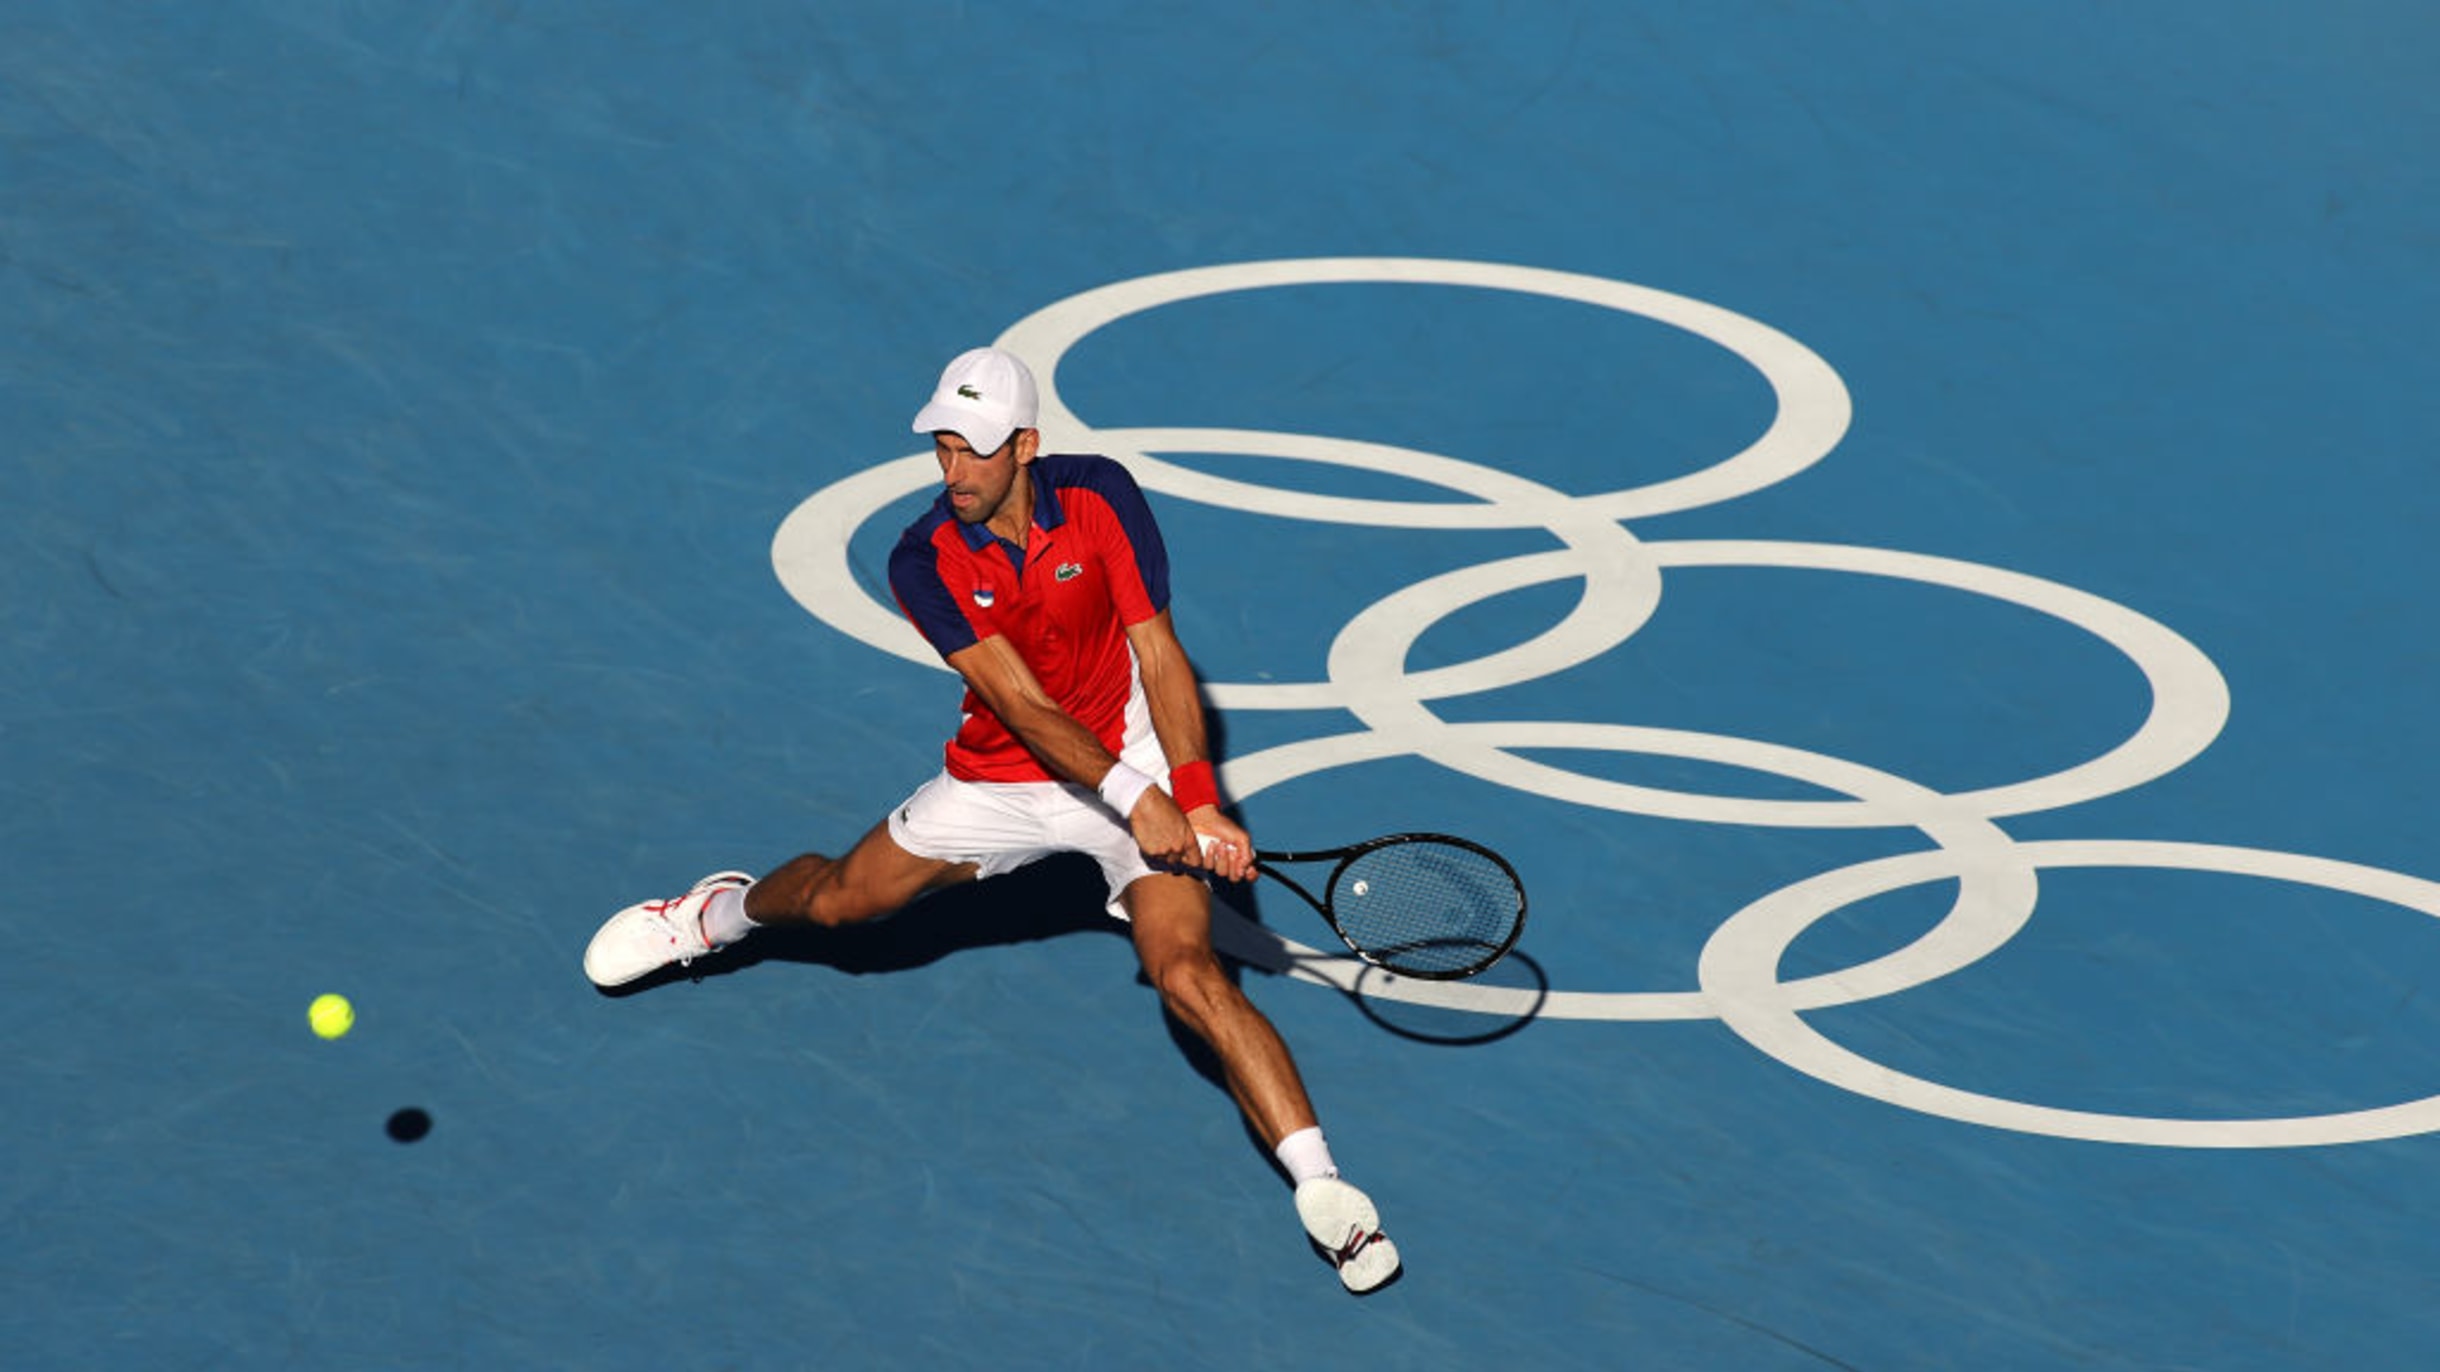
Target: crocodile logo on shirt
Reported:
[(1069, 571)]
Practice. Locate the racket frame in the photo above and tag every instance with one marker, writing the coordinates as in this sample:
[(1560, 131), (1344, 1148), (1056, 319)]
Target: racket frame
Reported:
[(1343, 858)]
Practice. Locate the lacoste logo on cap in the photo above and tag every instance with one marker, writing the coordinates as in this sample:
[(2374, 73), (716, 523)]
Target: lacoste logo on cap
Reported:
[(970, 392)]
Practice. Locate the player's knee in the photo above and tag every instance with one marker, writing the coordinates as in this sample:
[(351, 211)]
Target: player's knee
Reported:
[(1192, 985)]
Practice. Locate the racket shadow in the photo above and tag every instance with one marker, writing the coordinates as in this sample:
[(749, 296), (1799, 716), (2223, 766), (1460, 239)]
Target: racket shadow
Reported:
[(1452, 1026)]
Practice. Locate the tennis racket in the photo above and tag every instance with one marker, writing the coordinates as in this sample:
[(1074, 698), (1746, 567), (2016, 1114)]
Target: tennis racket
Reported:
[(1420, 905)]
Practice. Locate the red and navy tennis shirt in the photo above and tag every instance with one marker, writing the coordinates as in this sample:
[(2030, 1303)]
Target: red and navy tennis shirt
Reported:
[(1092, 565)]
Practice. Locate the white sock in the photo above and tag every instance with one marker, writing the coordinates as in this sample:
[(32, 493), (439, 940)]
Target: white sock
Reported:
[(724, 917), (1306, 1155)]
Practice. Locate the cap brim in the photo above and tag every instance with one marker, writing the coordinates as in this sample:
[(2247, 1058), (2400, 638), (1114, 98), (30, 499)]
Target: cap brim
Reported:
[(981, 434)]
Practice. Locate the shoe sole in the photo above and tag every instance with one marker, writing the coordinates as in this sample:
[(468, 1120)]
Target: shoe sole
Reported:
[(1343, 1224)]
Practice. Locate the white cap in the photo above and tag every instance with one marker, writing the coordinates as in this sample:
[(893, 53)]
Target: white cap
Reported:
[(984, 396)]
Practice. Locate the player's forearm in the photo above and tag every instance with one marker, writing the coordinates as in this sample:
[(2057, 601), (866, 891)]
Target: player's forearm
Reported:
[(1059, 741), (1008, 688)]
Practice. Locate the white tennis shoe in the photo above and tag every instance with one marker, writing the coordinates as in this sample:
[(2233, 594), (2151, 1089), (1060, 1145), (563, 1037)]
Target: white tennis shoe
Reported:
[(645, 938), (1343, 1224)]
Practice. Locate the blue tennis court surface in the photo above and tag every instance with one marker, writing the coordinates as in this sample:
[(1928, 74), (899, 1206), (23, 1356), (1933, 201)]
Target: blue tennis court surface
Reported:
[(1907, 521)]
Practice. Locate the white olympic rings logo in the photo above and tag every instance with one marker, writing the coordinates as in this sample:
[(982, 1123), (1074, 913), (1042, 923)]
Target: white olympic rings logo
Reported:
[(1620, 576)]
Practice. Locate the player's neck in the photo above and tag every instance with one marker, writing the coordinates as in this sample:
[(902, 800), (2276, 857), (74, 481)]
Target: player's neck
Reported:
[(1015, 517)]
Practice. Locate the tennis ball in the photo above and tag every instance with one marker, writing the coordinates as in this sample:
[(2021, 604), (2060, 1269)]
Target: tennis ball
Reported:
[(331, 1016)]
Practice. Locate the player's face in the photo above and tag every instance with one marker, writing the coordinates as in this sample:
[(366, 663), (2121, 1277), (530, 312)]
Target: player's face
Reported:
[(979, 483)]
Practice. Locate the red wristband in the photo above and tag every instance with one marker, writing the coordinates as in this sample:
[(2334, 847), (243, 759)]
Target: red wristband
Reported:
[(1192, 787)]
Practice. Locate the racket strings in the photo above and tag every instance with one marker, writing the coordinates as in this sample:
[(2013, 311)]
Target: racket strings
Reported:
[(1427, 909)]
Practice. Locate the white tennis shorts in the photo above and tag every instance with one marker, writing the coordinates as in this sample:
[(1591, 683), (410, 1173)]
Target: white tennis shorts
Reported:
[(1000, 826)]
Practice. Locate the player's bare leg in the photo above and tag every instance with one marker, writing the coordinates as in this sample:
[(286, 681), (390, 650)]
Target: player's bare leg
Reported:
[(1171, 919), (876, 878)]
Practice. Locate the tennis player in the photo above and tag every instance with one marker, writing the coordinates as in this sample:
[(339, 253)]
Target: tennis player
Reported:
[(1043, 581)]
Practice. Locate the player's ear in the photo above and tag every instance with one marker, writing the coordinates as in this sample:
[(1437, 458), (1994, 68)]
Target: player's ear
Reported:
[(1027, 441)]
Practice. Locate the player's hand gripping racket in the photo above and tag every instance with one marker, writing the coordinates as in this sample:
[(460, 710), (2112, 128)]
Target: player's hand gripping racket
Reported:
[(1420, 905)]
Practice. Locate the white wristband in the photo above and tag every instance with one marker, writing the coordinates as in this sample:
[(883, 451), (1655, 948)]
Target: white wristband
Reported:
[(1122, 787)]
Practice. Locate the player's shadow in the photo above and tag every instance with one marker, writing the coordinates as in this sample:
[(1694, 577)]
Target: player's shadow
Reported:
[(1065, 895), (1049, 899), (1054, 898)]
